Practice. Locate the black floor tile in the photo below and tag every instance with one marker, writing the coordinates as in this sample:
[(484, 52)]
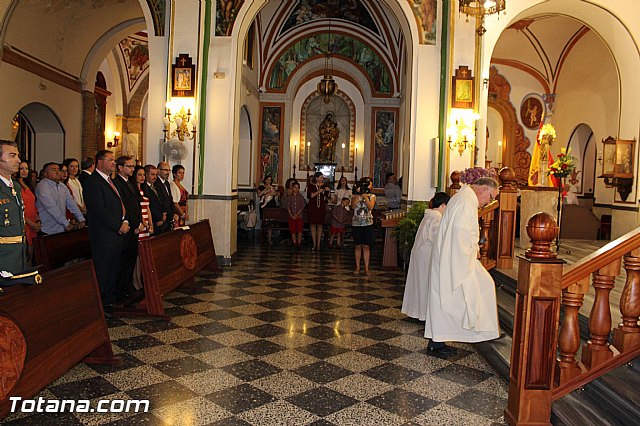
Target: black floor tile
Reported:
[(276, 304), (240, 398), (128, 361), (322, 401), (323, 317), (221, 314), (265, 330), (403, 403), (322, 372), (481, 403), (260, 348), (373, 319), (392, 374), (140, 419), (321, 332), (138, 342), (94, 387), (322, 295), (322, 305), (454, 356), (156, 326), (196, 346), (230, 303), (271, 316), (230, 421), (322, 350), (384, 351), (377, 333), (462, 374), (251, 370), (211, 329), (181, 366), (368, 307)]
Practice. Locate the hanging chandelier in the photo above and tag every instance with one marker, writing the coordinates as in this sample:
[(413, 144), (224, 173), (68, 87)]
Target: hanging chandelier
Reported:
[(327, 86), (480, 9)]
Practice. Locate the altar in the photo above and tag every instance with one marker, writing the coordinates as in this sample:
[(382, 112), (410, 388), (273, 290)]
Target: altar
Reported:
[(534, 199)]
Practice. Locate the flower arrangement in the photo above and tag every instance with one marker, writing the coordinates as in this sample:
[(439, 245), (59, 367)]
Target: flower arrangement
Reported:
[(563, 166), (470, 175)]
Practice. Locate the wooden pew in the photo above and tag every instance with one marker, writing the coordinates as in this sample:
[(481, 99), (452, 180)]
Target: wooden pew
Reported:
[(53, 251), (173, 259), (388, 221), (47, 328)]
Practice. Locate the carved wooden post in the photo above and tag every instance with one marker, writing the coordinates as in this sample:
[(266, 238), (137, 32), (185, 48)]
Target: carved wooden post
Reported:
[(507, 222), (455, 183), (569, 339), (485, 225), (597, 350), (535, 330), (627, 335)]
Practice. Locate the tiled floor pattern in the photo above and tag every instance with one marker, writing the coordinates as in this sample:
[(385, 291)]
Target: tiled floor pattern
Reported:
[(284, 338)]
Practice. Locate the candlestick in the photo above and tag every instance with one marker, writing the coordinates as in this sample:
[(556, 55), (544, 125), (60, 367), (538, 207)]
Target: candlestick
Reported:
[(295, 155), (308, 154), (343, 146), (499, 153), (355, 161)]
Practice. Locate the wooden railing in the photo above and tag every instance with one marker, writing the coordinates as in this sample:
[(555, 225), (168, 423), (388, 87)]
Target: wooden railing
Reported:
[(497, 222), (537, 375)]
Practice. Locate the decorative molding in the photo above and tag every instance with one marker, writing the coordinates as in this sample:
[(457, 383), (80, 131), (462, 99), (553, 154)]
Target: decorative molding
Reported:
[(21, 60)]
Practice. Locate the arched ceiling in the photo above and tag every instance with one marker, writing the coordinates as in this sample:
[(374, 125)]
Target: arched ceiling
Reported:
[(364, 32), (539, 46), (61, 33)]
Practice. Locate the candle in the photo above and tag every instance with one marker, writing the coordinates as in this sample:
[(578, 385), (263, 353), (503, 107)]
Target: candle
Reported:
[(295, 153), (499, 153), (343, 147), (355, 157), (309, 154)]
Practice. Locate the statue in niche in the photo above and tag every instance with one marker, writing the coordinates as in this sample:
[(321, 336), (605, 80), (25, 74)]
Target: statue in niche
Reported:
[(329, 134)]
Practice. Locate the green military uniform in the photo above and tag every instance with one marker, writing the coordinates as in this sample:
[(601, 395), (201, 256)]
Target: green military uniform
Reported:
[(13, 242)]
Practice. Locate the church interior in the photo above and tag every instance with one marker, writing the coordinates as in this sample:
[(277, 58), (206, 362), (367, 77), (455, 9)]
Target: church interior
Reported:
[(429, 90)]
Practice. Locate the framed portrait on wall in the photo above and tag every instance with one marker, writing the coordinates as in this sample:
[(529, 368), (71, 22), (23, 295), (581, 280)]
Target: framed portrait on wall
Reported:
[(531, 111), (183, 77), (624, 159), (270, 146), (462, 88), (384, 144), (608, 157)]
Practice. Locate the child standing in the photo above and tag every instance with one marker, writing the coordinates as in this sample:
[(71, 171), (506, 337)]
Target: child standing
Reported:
[(295, 207), (341, 216)]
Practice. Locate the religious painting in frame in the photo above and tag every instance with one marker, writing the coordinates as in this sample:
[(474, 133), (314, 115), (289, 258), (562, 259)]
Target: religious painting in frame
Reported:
[(608, 157), (531, 112), (462, 88), (384, 144), (183, 77), (624, 159), (270, 154)]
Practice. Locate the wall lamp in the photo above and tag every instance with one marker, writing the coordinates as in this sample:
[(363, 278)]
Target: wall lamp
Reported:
[(116, 140), (181, 119)]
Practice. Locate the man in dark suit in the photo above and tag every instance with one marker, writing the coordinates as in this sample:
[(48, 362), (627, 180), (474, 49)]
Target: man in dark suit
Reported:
[(88, 166), (158, 216), (125, 166), (163, 189), (108, 225)]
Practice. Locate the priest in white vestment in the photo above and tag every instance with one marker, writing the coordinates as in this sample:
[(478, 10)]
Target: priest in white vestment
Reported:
[(462, 298), (416, 287)]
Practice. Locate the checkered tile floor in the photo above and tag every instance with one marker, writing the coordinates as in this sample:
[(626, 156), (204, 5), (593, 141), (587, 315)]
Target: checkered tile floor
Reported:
[(284, 337)]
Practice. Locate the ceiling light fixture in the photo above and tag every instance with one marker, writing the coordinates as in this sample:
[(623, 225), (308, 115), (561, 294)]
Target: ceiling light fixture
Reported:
[(327, 86), (480, 9)]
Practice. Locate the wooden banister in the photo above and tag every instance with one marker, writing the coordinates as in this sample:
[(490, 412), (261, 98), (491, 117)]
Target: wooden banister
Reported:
[(601, 258)]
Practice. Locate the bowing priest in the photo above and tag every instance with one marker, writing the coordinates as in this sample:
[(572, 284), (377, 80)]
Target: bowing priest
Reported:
[(462, 297)]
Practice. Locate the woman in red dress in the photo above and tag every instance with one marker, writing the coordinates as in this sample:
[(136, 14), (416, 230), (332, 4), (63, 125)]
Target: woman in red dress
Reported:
[(29, 200), (318, 196), (179, 194)]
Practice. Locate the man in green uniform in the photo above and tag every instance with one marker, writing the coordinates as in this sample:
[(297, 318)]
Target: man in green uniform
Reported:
[(13, 245)]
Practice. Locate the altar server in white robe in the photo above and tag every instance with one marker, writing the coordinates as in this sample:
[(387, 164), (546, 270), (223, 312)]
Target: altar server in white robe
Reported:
[(416, 288), (462, 297)]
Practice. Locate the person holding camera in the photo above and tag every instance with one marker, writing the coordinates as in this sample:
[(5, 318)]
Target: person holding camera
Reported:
[(362, 203), (318, 194)]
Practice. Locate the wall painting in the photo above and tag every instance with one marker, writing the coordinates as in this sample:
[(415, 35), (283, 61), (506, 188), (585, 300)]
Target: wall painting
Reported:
[(270, 156), (385, 147)]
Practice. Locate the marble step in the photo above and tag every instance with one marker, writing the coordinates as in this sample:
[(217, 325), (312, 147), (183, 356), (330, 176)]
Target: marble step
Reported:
[(612, 399)]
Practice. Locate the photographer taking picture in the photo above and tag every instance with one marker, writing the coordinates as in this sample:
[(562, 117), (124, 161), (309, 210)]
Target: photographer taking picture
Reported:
[(363, 202)]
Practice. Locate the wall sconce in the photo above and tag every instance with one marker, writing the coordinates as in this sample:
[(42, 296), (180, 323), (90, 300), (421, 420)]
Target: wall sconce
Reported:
[(599, 157), (485, 83), (618, 165), (116, 140), (181, 120), (460, 145), (461, 131)]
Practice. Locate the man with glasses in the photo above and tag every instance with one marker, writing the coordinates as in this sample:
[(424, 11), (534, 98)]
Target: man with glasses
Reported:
[(163, 188), (53, 199), (461, 305), (125, 292)]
